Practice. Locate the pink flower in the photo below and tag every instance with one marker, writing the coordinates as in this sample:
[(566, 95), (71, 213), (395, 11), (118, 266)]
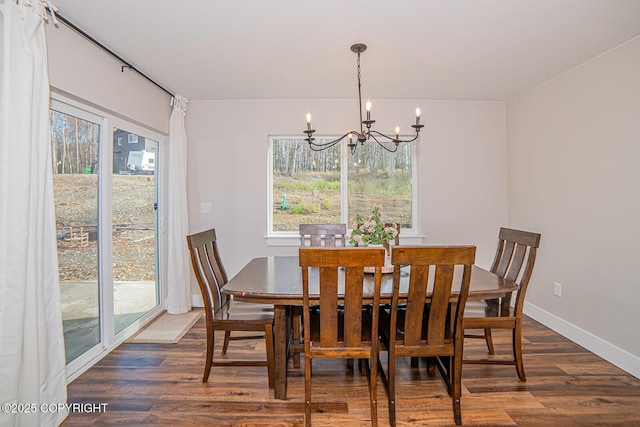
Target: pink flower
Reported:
[(391, 230)]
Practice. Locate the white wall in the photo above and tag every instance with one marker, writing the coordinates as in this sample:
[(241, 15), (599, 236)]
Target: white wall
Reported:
[(574, 147), (462, 167), (79, 68)]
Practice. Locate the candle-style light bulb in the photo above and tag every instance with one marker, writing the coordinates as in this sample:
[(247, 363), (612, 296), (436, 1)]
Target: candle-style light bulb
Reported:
[(368, 107), (418, 116), (397, 132), (308, 121)]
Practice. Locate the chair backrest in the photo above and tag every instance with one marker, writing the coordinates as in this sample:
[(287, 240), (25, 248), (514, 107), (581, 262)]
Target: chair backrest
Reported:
[(515, 258), (208, 269), (319, 232), (343, 336), (441, 327)]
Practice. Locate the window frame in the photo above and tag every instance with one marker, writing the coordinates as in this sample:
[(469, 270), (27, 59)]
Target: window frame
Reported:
[(292, 238)]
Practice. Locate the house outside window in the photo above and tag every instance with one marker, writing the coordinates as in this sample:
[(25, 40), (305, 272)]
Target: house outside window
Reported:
[(333, 185)]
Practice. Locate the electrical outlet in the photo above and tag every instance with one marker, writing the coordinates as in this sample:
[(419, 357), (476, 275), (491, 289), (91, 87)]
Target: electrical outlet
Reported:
[(557, 289)]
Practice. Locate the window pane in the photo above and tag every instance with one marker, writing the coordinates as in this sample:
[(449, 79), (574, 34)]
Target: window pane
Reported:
[(306, 184), (74, 147), (380, 178), (134, 235)]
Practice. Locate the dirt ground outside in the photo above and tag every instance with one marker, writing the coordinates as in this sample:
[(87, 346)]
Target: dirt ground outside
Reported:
[(76, 205)]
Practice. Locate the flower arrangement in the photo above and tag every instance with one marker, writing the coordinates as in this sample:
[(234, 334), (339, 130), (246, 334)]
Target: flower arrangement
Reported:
[(372, 230)]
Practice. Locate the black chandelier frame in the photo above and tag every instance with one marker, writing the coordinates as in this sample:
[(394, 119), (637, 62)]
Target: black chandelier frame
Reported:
[(363, 135)]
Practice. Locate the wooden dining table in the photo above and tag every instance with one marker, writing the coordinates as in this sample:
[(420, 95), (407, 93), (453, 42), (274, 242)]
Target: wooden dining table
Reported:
[(277, 280)]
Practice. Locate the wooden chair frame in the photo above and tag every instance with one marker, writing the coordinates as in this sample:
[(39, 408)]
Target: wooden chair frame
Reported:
[(514, 260), (316, 234), (346, 332), (221, 312), (432, 330)]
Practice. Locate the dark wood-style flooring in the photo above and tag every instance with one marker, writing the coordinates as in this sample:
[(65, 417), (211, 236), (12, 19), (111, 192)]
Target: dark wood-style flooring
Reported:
[(161, 385)]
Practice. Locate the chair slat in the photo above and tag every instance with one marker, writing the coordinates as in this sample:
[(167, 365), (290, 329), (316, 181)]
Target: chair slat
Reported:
[(439, 305), (328, 306), (353, 307), (416, 297)]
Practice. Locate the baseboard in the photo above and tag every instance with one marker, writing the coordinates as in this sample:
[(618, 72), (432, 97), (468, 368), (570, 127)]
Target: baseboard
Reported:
[(612, 354), (197, 301)]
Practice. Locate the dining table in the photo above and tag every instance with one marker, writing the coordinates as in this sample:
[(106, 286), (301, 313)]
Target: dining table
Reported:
[(277, 281)]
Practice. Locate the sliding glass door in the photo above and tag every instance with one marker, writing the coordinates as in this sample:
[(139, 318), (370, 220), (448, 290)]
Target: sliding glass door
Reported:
[(75, 147), (135, 290), (106, 202)]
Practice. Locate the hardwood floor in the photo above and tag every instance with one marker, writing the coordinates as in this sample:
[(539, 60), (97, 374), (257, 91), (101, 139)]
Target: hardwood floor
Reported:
[(160, 385)]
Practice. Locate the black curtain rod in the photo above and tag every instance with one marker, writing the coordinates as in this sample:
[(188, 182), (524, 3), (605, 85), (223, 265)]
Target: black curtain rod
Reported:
[(127, 64)]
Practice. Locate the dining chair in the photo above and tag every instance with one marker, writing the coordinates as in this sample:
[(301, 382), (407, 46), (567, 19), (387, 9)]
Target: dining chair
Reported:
[(222, 313), (427, 330), (514, 260), (316, 235), (340, 328)]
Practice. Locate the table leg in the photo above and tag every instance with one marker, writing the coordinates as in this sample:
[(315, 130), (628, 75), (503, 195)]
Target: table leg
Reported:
[(280, 337)]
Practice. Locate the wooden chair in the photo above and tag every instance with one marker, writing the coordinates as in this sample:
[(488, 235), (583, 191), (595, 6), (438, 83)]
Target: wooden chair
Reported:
[(223, 313), (78, 238), (514, 260), (315, 234), (427, 330), (348, 332)]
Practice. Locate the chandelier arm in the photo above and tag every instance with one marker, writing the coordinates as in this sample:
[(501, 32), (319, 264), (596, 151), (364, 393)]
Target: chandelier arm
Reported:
[(392, 139), (330, 144), (395, 148), (315, 147)]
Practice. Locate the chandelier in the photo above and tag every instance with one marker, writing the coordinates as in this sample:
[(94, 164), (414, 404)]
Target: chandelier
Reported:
[(389, 143)]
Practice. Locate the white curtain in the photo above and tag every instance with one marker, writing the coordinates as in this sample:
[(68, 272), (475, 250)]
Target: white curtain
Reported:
[(32, 360), (178, 271)]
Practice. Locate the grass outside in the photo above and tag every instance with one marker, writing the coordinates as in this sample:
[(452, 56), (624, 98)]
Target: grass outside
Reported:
[(314, 197)]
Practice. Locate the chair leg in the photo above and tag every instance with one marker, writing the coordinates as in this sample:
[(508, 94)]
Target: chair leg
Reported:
[(392, 389), (489, 339), (296, 327), (268, 337), (307, 390), (209, 360), (517, 351), (415, 362), (225, 344), (373, 389), (456, 381)]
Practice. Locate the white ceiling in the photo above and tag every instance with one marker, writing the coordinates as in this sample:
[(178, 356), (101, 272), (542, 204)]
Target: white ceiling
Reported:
[(418, 49)]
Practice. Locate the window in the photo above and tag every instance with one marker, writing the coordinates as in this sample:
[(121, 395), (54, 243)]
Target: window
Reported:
[(133, 138), (119, 142), (334, 185)]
